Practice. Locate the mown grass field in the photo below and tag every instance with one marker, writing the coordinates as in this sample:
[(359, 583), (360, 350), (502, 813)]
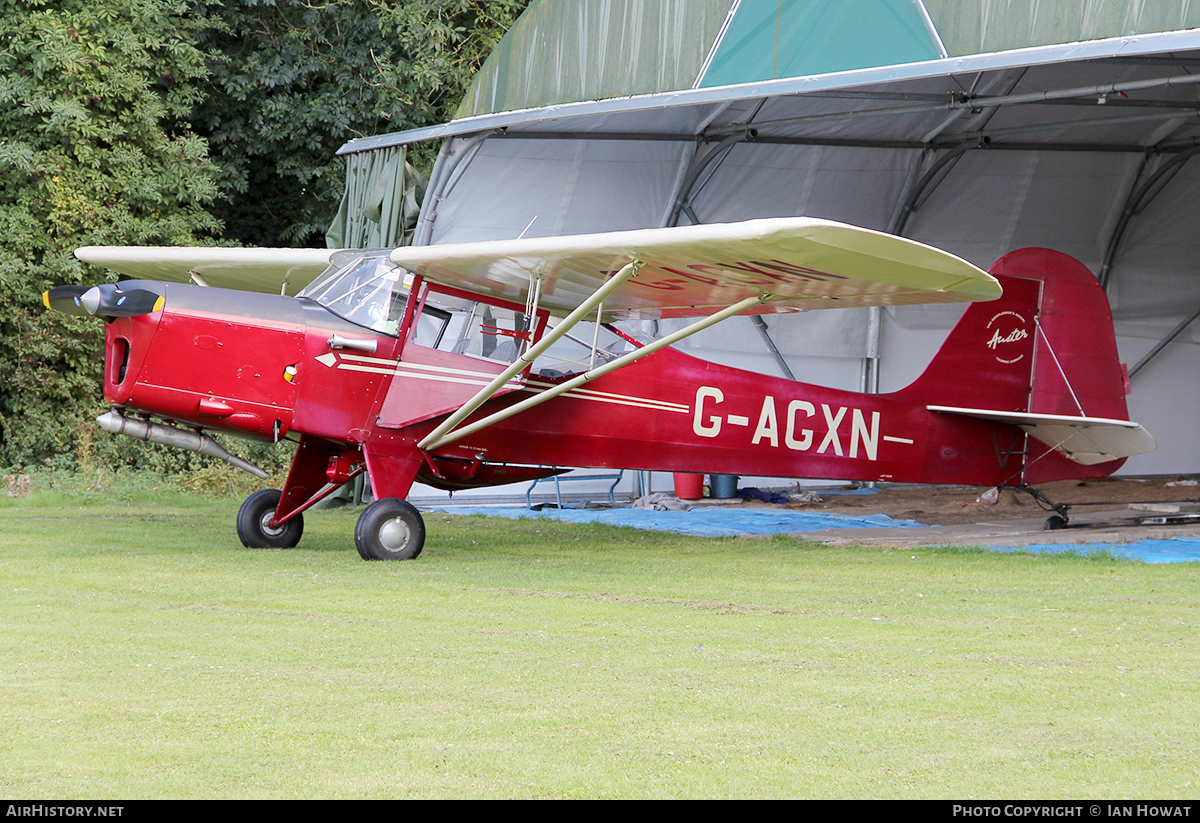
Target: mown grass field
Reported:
[(146, 654)]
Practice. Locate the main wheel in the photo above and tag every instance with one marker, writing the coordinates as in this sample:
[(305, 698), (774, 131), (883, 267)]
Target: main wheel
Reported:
[(389, 529), (254, 518)]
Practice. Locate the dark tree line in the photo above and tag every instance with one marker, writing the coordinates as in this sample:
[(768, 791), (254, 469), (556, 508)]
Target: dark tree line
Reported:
[(179, 122)]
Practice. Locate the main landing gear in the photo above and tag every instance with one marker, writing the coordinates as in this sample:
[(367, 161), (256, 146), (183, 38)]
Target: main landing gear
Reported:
[(254, 523), (389, 529)]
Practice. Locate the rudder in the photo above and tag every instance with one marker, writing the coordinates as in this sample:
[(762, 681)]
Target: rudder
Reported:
[(1076, 367), (1047, 346)]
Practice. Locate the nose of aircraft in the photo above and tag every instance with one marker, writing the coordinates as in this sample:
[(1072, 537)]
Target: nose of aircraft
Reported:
[(104, 300)]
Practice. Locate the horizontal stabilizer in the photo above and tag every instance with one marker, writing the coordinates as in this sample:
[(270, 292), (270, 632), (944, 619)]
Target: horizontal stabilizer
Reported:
[(248, 269), (1086, 440)]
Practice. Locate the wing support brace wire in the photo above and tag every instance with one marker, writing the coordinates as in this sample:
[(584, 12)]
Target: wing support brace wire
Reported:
[(1057, 365), (542, 397), (437, 437)]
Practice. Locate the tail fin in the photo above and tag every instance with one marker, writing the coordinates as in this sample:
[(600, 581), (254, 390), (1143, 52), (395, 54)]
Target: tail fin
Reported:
[(1043, 358), (1046, 346), (987, 360), (1076, 367)]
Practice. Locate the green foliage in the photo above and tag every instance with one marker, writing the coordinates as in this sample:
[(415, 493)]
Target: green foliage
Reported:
[(108, 486), (87, 90), (158, 122), (438, 45), (292, 81)]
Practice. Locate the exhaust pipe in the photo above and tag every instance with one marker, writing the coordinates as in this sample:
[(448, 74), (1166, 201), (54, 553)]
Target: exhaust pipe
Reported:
[(170, 436)]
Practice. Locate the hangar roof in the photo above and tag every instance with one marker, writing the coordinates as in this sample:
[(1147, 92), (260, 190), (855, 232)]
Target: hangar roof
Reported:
[(564, 60)]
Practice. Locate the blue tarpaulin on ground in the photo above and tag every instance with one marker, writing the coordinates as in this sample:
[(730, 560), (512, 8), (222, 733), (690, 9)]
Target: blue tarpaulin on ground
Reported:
[(1171, 550), (729, 522), (702, 522)]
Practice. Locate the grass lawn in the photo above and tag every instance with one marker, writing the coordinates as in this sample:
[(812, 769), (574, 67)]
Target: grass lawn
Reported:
[(145, 653)]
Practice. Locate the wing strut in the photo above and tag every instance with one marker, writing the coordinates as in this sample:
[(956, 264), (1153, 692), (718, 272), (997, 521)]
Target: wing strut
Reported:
[(436, 437), (431, 442)]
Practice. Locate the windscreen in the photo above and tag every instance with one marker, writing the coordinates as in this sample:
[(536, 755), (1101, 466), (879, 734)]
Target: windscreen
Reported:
[(367, 289)]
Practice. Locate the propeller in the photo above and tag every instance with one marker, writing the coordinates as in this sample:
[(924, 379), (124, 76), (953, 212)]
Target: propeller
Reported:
[(105, 300), (65, 299)]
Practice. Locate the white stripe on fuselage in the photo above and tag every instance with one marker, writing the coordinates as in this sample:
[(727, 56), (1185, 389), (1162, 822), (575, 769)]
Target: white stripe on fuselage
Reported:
[(444, 374)]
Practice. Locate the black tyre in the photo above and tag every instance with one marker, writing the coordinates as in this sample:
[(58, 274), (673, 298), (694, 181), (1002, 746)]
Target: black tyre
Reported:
[(255, 516), (389, 529), (1054, 522)]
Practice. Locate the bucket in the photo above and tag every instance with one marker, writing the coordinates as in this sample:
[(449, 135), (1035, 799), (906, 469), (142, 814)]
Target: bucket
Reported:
[(689, 486), (723, 486)]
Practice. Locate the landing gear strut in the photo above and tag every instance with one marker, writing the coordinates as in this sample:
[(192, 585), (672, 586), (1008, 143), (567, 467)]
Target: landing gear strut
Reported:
[(389, 529)]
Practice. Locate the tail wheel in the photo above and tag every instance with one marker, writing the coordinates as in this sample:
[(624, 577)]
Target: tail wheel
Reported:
[(1054, 522), (389, 529), (254, 523)]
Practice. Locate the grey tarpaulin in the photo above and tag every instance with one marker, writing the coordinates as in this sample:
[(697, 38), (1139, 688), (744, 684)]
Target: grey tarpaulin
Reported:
[(380, 206)]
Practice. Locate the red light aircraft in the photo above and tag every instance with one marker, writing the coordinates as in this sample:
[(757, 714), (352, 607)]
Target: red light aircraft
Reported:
[(435, 364)]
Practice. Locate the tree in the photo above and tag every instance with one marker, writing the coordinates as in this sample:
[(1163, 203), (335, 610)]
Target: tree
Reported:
[(94, 149), (148, 122), (293, 80), (438, 47)]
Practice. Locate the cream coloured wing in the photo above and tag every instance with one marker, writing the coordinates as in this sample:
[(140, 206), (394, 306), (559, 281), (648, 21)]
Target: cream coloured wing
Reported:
[(799, 262), (249, 269)]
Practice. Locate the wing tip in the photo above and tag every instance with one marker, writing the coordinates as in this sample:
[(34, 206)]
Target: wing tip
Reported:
[(981, 288)]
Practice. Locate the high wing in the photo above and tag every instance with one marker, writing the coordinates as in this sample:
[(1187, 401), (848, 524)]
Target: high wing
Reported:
[(1086, 440), (794, 262), (688, 271), (250, 269)]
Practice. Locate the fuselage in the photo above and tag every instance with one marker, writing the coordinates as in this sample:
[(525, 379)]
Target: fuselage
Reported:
[(270, 367)]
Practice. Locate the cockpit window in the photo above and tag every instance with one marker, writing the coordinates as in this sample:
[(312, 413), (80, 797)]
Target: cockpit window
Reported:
[(431, 327), (367, 289), (476, 328)]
